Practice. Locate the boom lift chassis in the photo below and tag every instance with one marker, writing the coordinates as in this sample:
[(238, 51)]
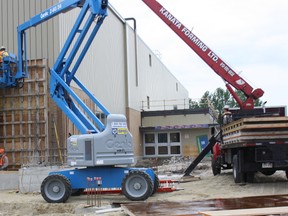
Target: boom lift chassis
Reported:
[(102, 151)]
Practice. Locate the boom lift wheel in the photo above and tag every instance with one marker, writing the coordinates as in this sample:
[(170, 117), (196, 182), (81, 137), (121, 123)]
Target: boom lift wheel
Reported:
[(137, 185), (156, 184), (56, 189)]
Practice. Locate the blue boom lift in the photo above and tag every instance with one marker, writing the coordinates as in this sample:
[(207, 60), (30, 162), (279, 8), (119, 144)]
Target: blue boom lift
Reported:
[(101, 150)]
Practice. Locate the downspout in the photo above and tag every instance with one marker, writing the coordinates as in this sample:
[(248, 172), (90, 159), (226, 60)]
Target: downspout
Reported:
[(135, 45)]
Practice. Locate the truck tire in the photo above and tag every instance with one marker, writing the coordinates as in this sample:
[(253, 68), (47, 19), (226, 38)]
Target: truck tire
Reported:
[(250, 177), (286, 172), (216, 169), (268, 172), (237, 175)]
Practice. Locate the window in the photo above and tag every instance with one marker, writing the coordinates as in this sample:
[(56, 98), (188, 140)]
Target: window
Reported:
[(150, 150), (149, 138), (163, 150), (174, 137), (162, 144), (162, 138), (150, 60), (175, 150)]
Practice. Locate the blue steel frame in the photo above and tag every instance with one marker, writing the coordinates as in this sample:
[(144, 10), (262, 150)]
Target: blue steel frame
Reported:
[(64, 69)]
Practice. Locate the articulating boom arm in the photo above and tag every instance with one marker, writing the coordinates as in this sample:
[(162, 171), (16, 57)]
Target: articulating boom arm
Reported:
[(230, 77), (91, 16)]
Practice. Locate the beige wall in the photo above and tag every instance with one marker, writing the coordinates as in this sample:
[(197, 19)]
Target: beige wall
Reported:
[(176, 120), (134, 122), (189, 140)]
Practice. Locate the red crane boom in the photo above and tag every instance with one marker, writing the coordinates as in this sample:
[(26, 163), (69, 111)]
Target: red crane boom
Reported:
[(230, 77)]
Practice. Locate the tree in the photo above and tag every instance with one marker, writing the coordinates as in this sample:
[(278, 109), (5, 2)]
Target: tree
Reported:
[(219, 99)]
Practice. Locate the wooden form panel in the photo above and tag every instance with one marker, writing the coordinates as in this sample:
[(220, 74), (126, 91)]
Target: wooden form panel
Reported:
[(24, 118), (260, 129)]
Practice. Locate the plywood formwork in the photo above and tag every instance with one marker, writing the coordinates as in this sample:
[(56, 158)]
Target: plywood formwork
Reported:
[(264, 129), (27, 117)]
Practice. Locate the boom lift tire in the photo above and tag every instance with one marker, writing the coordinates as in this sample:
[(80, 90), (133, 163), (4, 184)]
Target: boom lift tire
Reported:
[(137, 185), (237, 175), (156, 184), (77, 192), (56, 189)]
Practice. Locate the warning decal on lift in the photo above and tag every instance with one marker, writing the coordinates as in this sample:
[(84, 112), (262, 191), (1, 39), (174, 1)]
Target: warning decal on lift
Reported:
[(119, 128)]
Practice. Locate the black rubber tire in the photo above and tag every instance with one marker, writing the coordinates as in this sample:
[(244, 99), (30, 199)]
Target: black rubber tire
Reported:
[(268, 172), (237, 175), (250, 177), (137, 185), (77, 192), (56, 189), (216, 169), (156, 184), (286, 172)]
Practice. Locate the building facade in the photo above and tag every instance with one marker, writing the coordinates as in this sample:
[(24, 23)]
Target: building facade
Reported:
[(178, 132)]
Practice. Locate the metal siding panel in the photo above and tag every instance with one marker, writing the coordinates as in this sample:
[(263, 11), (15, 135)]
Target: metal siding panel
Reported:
[(1, 21), (39, 39), (103, 68), (32, 31), (9, 43), (55, 38), (4, 19), (13, 33), (44, 33), (21, 19)]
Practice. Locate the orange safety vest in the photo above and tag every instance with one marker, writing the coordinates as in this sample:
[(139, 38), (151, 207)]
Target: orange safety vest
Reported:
[(3, 160)]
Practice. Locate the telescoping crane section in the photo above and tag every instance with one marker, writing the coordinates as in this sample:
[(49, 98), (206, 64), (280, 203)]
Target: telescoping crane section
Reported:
[(100, 149), (230, 77)]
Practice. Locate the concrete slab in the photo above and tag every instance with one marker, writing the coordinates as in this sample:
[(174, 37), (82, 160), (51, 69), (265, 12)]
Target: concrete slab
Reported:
[(30, 178), (9, 180)]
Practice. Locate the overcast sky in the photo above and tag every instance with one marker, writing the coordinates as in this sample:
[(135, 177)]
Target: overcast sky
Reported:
[(251, 36)]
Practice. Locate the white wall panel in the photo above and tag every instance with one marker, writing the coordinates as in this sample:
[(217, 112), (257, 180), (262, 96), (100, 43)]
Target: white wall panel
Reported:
[(154, 80)]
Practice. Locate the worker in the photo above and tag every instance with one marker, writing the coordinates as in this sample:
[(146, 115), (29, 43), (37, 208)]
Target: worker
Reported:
[(3, 53), (227, 115), (3, 160)]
